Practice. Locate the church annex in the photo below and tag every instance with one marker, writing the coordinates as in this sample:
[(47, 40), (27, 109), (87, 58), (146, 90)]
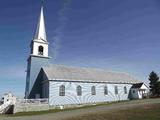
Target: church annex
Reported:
[(64, 85)]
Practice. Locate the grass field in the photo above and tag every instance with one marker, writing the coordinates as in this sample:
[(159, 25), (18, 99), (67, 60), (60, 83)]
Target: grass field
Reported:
[(59, 110), (147, 109), (146, 112)]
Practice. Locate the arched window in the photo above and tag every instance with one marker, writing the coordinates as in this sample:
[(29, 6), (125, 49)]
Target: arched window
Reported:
[(40, 50), (116, 89), (105, 90), (62, 90), (79, 90), (93, 90), (125, 90)]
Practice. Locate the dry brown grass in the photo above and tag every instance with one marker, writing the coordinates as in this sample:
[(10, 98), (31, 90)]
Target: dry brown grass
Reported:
[(146, 112)]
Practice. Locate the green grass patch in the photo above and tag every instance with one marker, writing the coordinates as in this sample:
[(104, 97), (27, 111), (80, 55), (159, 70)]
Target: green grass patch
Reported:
[(35, 113), (31, 113), (70, 109)]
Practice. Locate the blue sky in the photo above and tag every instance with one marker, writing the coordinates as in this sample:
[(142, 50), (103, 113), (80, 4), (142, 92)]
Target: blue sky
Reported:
[(116, 35)]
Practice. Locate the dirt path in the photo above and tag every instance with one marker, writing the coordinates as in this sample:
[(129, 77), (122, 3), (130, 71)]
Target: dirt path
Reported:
[(71, 113)]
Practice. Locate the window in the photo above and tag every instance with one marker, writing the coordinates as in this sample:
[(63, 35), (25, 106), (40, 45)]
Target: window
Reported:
[(116, 89), (79, 90), (62, 90), (105, 90), (133, 91), (125, 90), (93, 90), (40, 50)]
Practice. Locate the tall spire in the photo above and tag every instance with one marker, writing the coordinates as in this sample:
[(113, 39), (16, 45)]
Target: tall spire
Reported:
[(41, 32)]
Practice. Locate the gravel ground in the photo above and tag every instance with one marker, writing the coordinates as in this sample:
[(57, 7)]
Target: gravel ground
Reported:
[(70, 113)]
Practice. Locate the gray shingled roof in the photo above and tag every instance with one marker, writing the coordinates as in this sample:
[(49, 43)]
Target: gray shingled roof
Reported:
[(61, 72), (137, 85)]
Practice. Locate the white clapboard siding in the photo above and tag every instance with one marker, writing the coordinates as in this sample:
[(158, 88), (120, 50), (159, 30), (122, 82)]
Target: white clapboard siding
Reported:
[(71, 93)]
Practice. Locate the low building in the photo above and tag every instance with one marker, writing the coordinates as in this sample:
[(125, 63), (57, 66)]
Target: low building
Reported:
[(8, 97), (139, 91)]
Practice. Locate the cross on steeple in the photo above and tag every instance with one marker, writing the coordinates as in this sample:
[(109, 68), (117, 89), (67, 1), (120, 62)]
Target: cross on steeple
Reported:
[(42, 1)]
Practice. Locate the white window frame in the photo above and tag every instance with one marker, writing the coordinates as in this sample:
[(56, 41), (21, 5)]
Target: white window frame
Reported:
[(79, 90), (105, 90), (116, 89), (125, 90), (93, 90), (62, 90)]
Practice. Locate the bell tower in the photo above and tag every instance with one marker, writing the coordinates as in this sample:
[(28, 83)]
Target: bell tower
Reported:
[(38, 57), (39, 45)]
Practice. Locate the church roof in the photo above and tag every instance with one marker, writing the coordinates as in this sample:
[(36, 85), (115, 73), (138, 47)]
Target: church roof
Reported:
[(137, 85), (61, 72)]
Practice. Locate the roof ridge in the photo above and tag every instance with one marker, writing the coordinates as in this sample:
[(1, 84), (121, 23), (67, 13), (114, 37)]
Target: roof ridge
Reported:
[(89, 68)]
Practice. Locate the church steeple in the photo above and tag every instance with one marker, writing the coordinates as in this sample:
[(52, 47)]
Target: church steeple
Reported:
[(39, 44), (40, 31), (38, 57)]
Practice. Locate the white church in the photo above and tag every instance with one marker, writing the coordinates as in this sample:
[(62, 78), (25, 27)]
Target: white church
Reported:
[(65, 85)]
